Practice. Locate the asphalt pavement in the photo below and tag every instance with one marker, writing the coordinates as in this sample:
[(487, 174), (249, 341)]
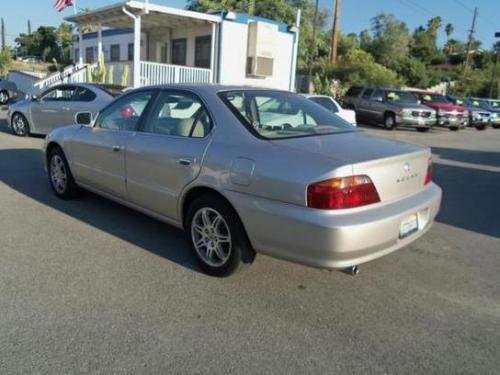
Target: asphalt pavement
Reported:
[(89, 286)]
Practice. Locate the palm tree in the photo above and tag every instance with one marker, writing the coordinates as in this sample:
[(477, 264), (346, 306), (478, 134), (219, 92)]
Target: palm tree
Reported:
[(449, 30)]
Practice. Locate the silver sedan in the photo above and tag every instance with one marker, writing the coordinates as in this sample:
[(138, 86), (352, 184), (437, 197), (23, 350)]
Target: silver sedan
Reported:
[(246, 171), (58, 106)]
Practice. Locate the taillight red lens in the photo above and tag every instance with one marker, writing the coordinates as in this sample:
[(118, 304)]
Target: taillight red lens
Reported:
[(428, 175), (343, 192)]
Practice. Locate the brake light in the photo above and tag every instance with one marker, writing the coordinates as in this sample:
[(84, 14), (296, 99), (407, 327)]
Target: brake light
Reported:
[(342, 192), (428, 174)]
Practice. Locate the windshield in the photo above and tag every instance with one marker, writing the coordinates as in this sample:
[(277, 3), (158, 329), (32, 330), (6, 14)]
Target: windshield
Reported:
[(401, 97), (481, 104), (276, 114), (434, 98)]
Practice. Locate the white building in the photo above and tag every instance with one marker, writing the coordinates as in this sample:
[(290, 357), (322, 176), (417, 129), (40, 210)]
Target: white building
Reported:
[(160, 44)]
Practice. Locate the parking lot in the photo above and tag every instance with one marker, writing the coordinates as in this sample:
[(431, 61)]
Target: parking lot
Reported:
[(90, 286)]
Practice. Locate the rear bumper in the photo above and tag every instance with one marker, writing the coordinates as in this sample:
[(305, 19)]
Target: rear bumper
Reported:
[(415, 122), (330, 239)]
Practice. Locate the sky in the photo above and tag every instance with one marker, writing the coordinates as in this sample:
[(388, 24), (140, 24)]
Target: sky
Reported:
[(355, 15)]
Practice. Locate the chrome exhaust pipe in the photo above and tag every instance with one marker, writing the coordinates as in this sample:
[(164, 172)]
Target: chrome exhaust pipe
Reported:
[(353, 270)]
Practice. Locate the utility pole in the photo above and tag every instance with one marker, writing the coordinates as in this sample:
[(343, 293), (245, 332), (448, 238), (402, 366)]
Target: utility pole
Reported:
[(335, 32), (314, 51), (471, 39), (29, 27), (494, 74), (3, 35)]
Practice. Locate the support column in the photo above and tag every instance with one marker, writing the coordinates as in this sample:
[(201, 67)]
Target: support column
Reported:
[(212, 53), (80, 45), (137, 51), (99, 42)]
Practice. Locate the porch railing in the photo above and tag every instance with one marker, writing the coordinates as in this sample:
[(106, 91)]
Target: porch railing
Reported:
[(156, 74)]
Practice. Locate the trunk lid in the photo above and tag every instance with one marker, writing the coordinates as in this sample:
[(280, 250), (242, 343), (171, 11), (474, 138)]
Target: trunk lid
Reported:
[(397, 169)]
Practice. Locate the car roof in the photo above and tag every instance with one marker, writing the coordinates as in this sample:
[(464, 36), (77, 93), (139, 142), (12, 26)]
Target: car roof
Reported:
[(209, 87)]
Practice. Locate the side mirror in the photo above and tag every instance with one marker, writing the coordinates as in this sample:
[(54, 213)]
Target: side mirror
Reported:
[(83, 118), (35, 98)]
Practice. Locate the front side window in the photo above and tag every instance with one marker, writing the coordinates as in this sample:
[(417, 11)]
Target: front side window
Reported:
[(89, 55), (276, 114), (179, 52), (63, 93), (124, 113), (83, 95), (179, 114)]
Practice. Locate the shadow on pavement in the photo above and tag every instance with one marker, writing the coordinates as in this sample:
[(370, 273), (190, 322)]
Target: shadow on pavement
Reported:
[(471, 197), (23, 171)]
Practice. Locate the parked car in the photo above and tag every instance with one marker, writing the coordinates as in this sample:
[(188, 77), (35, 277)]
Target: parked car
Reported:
[(478, 116), (389, 107), (8, 91), (449, 115), (493, 106), (58, 106), (246, 170), (333, 106)]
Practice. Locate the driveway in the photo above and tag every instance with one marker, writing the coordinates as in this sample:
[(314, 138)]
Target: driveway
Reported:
[(89, 286)]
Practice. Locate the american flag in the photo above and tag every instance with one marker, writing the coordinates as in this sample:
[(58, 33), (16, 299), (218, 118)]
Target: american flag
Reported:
[(60, 5)]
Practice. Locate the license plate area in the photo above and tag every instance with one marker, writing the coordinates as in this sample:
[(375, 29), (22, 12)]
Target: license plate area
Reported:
[(408, 226)]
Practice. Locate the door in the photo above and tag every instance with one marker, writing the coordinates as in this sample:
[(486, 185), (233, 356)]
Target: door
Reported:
[(166, 153), (53, 109), (376, 107), (363, 107), (98, 152)]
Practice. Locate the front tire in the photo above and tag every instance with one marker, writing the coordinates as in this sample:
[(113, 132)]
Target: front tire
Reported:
[(61, 180), (481, 127), (4, 97), (217, 236), (390, 121), (20, 125)]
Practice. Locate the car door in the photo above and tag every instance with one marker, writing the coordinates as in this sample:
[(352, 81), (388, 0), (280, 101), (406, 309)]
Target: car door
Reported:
[(98, 152), (166, 153), (52, 109), (363, 109), (376, 106)]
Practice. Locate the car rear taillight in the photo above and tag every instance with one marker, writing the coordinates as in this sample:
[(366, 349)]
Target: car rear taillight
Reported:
[(342, 192), (428, 174)]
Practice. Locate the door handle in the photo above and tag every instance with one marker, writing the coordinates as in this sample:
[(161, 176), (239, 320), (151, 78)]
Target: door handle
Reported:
[(184, 161), (116, 148)]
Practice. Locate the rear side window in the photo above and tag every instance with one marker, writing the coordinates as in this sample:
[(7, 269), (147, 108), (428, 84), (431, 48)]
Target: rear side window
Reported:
[(367, 93), (326, 103), (180, 114), (125, 113), (83, 95), (57, 94), (354, 91)]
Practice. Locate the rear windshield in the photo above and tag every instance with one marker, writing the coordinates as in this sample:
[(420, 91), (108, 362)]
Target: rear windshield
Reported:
[(275, 114)]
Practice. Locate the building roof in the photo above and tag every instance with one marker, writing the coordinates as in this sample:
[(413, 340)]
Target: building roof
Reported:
[(154, 16)]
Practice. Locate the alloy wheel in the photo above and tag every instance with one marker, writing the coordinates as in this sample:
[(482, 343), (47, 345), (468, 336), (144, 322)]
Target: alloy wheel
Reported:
[(211, 237), (58, 174), (4, 97), (19, 125)]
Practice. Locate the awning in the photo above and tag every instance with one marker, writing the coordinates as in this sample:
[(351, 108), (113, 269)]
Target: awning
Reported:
[(157, 16)]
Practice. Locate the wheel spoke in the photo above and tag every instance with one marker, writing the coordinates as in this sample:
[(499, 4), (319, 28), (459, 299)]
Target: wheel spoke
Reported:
[(219, 252), (205, 218)]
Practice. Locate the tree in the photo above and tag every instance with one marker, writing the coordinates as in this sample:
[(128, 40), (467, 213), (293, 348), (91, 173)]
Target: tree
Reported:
[(424, 42), (448, 29), (279, 10), (390, 42), (5, 61)]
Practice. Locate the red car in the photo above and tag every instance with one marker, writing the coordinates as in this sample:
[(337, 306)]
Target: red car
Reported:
[(447, 114)]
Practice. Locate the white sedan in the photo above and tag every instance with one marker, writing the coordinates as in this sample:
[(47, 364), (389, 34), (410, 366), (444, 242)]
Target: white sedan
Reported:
[(332, 105)]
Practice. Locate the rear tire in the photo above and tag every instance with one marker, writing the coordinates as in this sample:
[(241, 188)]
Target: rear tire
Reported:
[(480, 127), (60, 178), (390, 121), (454, 128), (4, 97), (20, 125), (217, 236), (423, 130)]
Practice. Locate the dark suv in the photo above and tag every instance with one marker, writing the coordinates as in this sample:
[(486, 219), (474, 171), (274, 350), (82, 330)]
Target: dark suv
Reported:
[(390, 107)]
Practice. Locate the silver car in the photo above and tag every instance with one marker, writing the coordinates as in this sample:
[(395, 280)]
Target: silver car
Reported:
[(8, 91), (246, 171), (58, 106)]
